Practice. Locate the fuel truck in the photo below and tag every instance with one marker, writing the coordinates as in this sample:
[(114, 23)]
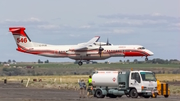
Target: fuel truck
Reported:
[(118, 83)]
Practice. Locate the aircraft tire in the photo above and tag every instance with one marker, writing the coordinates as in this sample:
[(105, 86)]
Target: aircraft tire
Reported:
[(80, 63), (146, 59)]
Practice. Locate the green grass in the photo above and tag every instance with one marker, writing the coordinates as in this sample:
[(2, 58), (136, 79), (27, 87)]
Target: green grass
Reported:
[(174, 89), (99, 65)]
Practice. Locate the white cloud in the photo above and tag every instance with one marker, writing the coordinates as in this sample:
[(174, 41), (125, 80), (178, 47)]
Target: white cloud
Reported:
[(156, 14), (134, 22), (32, 22), (115, 31), (50, 26), (85, 26), (153, 16), (125, 21), (10, 20), (122, 31), (33, 19), (74, 35), (177, 24), (174, 26)]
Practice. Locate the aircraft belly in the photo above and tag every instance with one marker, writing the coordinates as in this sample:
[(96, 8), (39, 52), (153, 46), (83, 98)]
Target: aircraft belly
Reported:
[(89, 57), (53, 55)]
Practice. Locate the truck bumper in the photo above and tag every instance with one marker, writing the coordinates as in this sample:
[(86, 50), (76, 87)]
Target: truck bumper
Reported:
[(149, 93)]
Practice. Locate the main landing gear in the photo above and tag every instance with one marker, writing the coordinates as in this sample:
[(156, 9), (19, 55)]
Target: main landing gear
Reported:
[(80, 63)]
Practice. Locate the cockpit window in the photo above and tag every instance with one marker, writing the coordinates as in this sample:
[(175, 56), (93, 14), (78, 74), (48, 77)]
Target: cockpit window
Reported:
[(141, 48)]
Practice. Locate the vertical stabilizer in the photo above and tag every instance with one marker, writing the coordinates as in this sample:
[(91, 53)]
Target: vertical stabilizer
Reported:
[(21, 38)]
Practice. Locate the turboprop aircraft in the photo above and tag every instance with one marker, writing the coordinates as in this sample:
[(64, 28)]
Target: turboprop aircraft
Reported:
[(91, 50)]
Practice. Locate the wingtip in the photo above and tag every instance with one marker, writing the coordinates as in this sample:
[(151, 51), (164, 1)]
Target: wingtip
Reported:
[(96, 36)]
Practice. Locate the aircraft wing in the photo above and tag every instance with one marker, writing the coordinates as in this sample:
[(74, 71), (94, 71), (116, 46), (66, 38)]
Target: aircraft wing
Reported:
[(88, 45), (95, 39)]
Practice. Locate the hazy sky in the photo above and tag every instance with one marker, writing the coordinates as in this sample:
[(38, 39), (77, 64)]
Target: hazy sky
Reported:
[(155, 24)]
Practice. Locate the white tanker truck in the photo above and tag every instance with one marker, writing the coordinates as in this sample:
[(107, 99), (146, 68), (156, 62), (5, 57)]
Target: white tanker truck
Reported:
[(130, 83)]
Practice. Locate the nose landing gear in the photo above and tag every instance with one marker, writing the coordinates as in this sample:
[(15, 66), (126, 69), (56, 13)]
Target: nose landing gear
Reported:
[(146, 59)]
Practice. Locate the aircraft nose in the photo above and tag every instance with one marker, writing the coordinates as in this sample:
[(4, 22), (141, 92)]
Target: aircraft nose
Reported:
[(149, 52)]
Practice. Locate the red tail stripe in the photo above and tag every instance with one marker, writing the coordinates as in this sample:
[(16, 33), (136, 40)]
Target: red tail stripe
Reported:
[(17, 30)]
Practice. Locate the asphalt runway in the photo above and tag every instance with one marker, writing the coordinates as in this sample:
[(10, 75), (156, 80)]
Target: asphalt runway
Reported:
[(17, 92)]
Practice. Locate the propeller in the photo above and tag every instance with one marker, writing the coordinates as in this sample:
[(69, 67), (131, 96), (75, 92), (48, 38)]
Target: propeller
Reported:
[(100, 50)]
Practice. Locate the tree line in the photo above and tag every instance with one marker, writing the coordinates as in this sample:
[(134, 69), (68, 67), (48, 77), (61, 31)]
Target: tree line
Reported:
[(153, 61)]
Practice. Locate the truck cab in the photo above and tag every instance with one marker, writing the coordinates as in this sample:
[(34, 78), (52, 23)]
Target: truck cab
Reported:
[(144, 82)]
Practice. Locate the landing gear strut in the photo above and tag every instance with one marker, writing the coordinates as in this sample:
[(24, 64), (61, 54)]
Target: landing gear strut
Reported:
[(146, 59), (80, 63)]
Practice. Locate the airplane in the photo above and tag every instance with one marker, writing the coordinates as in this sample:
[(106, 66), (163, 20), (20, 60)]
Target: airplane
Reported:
[(91, 50)]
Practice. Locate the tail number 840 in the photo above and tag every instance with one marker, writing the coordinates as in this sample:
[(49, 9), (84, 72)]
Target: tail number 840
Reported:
[(23, 40)]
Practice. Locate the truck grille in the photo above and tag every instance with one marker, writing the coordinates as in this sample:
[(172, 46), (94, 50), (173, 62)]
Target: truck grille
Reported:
[(150, 88)]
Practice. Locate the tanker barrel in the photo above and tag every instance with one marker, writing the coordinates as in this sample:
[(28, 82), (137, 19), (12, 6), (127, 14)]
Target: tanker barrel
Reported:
[(102, 79)]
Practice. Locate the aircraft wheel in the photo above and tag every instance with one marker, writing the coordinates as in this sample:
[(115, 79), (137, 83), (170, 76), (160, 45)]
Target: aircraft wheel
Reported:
[(146, 59), (80, 63)]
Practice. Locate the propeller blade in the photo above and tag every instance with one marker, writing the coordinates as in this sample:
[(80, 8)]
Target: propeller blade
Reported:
[(107, 42), (100, 50)]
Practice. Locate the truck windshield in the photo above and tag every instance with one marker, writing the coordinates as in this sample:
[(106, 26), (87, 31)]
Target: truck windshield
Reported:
[(148, 76)]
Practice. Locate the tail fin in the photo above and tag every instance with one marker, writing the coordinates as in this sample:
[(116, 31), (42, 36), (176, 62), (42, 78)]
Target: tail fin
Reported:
[(21, 38)]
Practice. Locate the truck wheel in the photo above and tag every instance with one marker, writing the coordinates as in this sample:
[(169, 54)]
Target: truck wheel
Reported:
[(99, 94), (133, 93), (112, 96), (166, 96), (146, 96)]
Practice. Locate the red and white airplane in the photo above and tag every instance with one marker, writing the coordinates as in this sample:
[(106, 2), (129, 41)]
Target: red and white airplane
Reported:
[(91, 50)]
